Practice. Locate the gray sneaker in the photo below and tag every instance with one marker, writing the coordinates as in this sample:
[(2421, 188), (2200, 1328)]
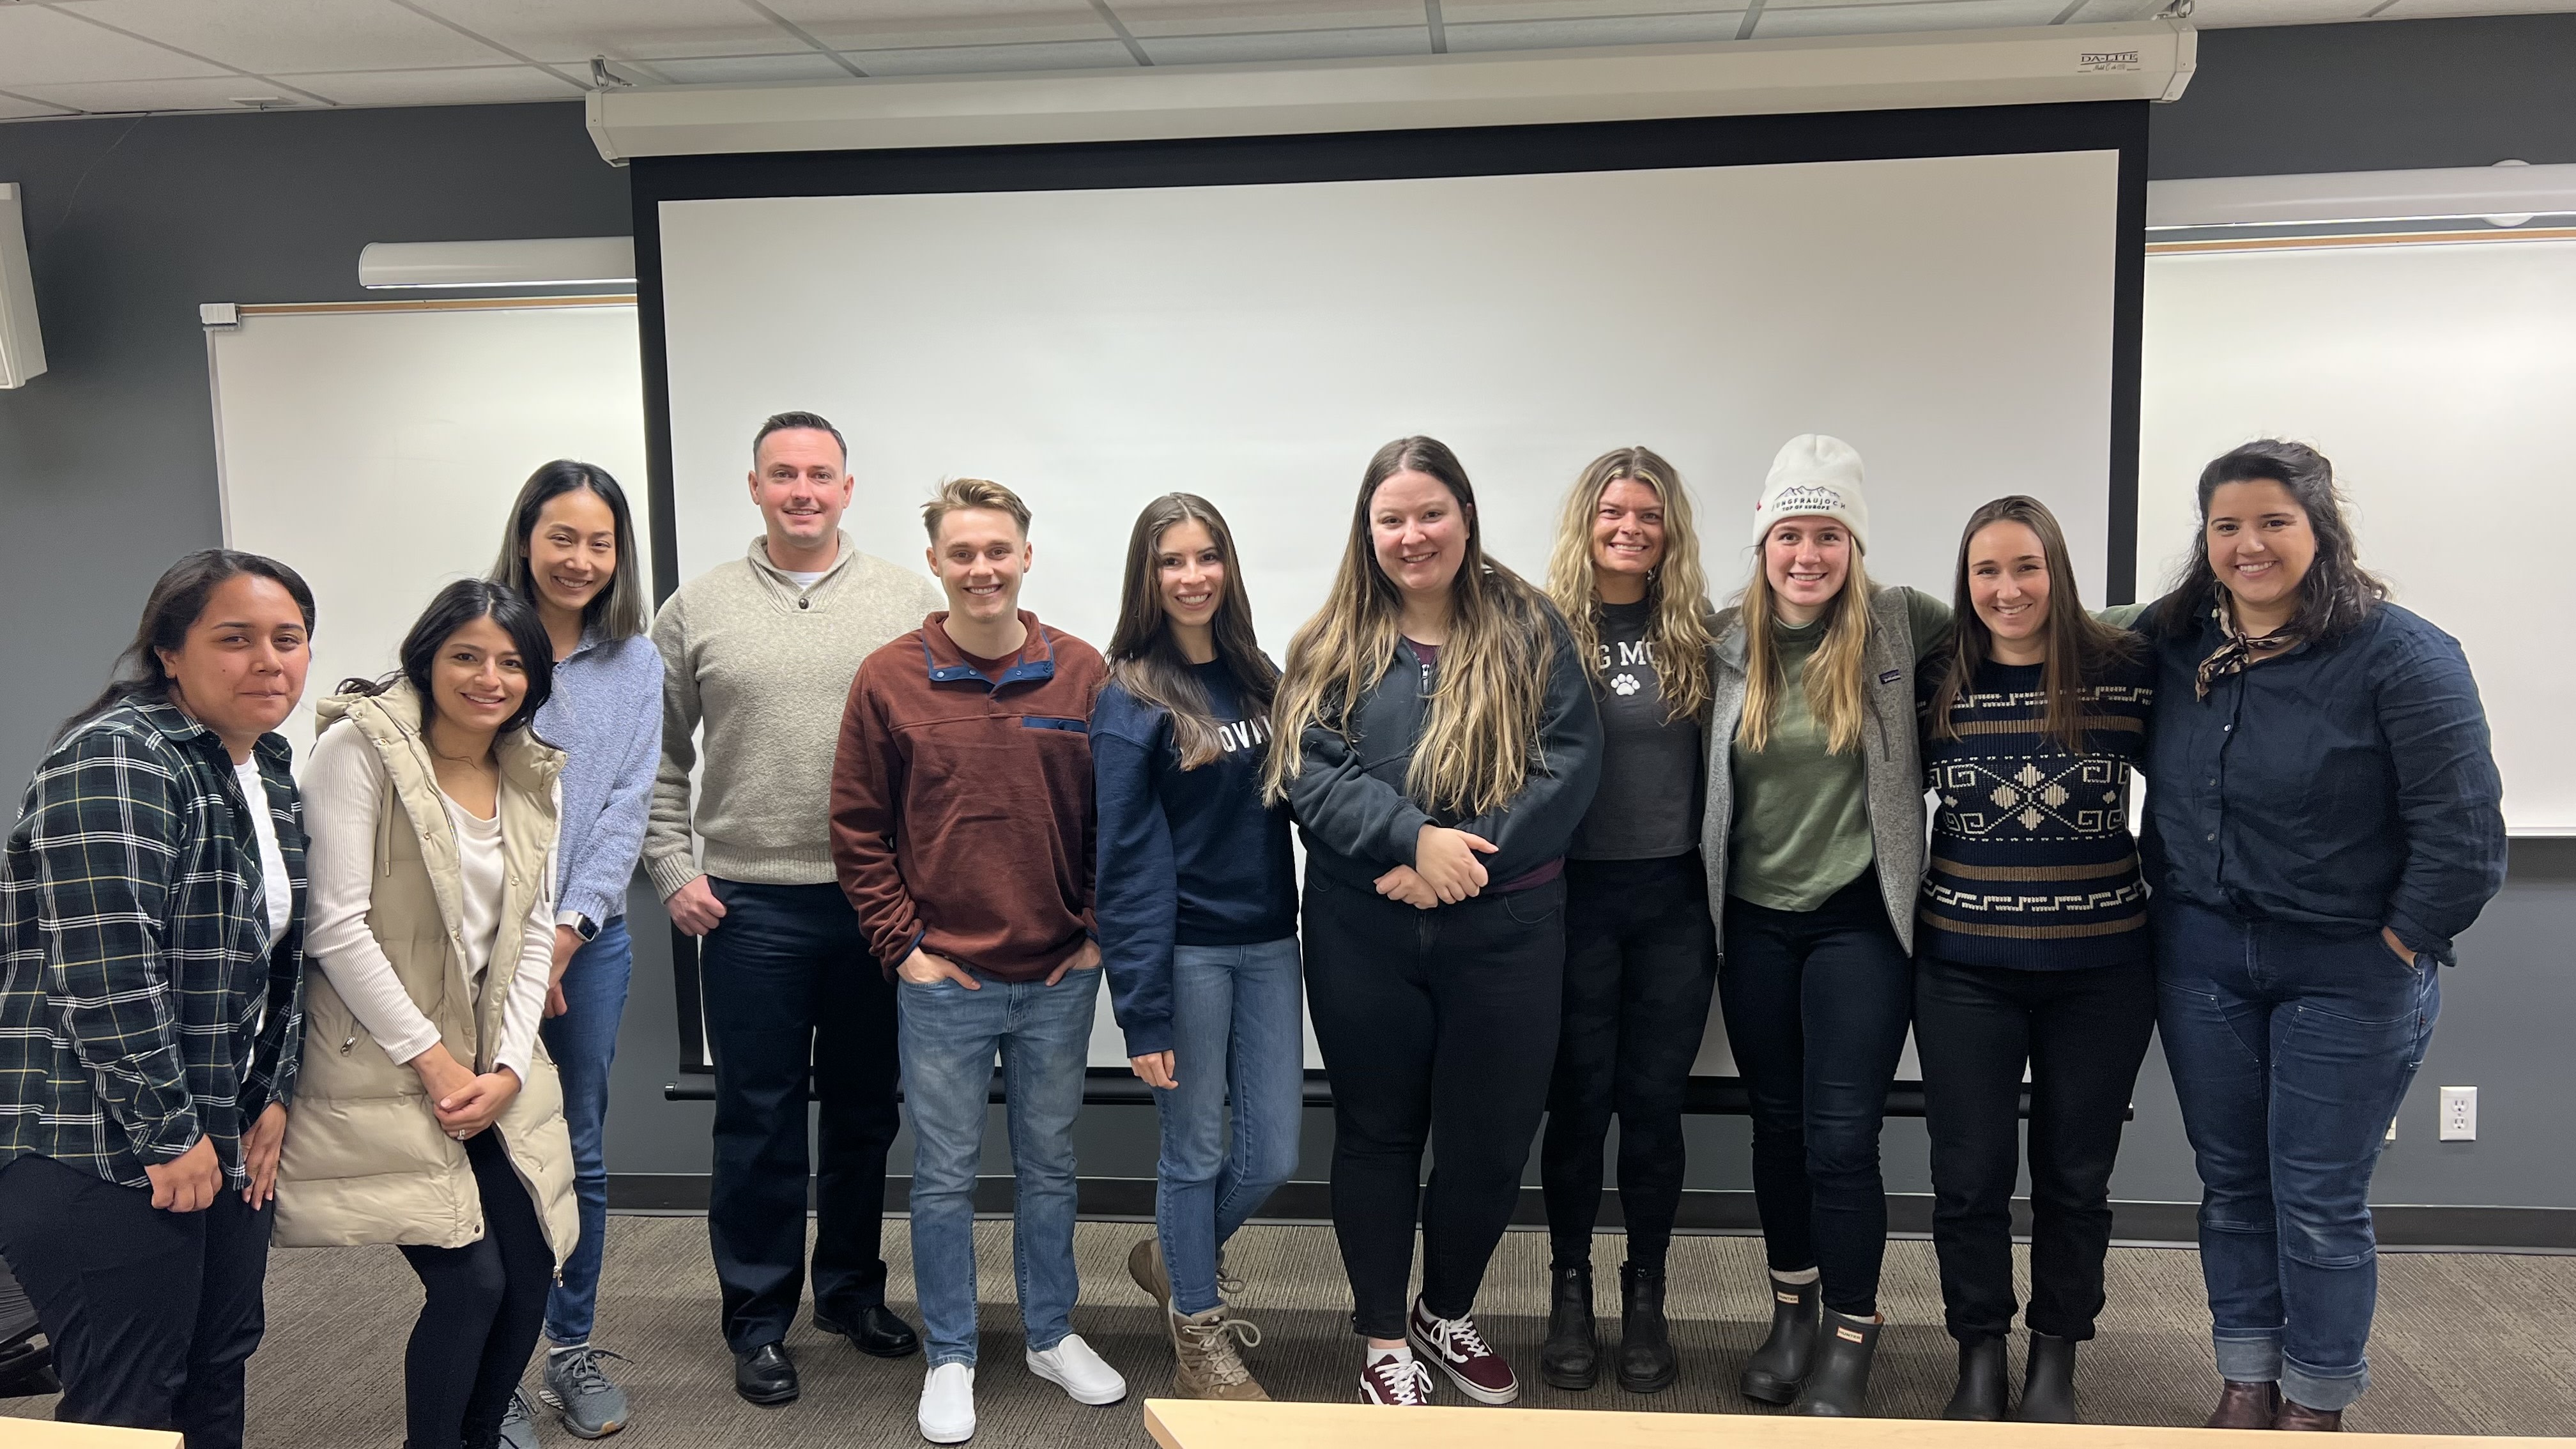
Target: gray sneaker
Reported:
[(583, 1398), (518, 1426)]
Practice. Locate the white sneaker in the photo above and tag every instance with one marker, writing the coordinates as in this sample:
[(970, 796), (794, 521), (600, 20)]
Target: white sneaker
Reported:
[(948, 1404), (1072, 1366)]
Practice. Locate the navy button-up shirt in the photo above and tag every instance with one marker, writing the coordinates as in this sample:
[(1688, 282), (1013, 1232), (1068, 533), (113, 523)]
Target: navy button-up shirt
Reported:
[(2343, 788)]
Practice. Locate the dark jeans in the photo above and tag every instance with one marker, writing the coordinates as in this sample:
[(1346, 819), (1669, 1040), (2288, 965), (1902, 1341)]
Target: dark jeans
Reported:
[(2082, 1033), (1436, 1024), (152, 1315), (1816, 1007), (2291, 1051), (790, 988), (1640, 962), (486, 1301)]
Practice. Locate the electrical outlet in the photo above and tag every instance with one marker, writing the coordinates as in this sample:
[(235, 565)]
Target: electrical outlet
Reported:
[(2459, 1114)]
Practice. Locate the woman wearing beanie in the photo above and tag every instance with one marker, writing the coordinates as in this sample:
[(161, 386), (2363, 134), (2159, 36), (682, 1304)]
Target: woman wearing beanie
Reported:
[(2326, 817), (431, 1117), (1813, 837), (2031, 949), (1437, 742), (1640, 949)]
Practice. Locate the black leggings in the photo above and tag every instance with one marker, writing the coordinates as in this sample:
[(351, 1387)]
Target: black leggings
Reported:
[(1640, 961), (487, 1302), (1437, 1027), (1816, 1005)]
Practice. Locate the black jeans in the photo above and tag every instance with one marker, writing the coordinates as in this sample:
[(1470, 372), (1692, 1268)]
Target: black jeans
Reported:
[(152, 1315), (1434, 1024), (1640, 962), (1816, 1007), (2083, 1033), (791, 987), (486, 1302)]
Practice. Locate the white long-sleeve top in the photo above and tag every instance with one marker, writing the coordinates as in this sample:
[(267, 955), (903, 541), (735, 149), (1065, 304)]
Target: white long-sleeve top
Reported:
[(344, 789)]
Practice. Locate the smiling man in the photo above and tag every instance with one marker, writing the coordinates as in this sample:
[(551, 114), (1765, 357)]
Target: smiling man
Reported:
[(759, 654)]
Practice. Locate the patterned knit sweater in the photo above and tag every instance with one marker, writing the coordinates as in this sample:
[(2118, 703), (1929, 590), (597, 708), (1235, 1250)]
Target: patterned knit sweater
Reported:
[(2033, 865)]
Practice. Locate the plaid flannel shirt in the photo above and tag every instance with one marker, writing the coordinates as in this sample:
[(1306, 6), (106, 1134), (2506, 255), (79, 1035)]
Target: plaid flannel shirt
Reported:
[(142, 1004)]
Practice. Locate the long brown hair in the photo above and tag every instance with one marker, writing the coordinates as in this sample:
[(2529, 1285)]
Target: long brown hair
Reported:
[(1481, 739), (1677, 586), (2335, 595), (2080, 647), (1147, 662), (1835, 673)]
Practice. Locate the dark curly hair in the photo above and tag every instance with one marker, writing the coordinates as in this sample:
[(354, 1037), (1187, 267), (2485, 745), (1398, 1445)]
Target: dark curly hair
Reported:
[(2335, 596)]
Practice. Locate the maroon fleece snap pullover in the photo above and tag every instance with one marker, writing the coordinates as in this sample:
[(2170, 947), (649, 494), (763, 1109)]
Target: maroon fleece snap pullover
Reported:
[(962, 817)]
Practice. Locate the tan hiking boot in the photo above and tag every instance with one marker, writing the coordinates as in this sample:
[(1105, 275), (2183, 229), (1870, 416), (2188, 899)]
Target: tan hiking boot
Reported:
[(1209, 1365), (1145, 1265)]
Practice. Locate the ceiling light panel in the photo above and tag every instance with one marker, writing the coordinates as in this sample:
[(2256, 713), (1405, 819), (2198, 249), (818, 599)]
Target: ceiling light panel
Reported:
[(572, 31), (274, 37), (48, 47), (906, 24)]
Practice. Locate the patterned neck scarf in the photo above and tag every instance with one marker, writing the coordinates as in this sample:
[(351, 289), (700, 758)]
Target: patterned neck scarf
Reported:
[(2237, 650)]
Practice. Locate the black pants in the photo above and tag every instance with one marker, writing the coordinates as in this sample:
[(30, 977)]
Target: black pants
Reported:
[(1437, 1024), (486, 1302), (2083, 1033), (1816, 1007), (791, 988), (152, 1315), (1640, 962)]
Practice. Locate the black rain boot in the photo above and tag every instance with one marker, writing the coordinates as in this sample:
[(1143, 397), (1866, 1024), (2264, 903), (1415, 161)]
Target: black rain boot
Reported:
[(1570, 1359), (1984, 1386), (2048, 1395), (1646, 1362), (1780, 1365), (1838, 1386)]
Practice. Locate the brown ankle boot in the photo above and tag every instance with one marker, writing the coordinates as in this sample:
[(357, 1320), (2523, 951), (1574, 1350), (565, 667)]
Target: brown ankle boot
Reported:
[(2246, 1406), (1209, 1365), (2295, 1415)]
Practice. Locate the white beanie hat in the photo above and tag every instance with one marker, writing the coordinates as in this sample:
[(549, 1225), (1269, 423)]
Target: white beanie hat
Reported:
[(1814, 476)]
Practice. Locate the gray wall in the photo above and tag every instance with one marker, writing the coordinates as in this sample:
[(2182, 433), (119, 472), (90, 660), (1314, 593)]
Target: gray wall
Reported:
[(107, 472)]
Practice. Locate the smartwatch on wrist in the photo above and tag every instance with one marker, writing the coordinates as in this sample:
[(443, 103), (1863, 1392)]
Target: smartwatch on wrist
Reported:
[(586, 928)]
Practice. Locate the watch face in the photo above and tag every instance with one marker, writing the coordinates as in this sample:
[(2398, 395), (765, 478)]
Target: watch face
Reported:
[(586, 928)]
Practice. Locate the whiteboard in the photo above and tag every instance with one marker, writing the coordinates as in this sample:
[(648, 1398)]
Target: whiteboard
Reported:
[(2441, 380), (377, 451)]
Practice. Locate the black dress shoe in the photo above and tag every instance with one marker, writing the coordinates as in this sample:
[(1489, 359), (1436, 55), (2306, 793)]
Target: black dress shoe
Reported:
[(765, 1375), (876, 1332)]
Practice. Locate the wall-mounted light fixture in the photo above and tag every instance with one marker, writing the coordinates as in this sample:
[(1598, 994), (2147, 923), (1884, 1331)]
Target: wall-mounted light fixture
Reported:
[(569, 261)]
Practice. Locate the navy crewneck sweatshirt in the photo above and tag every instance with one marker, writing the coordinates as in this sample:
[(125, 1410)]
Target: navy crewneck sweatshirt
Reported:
[(1187, 857)]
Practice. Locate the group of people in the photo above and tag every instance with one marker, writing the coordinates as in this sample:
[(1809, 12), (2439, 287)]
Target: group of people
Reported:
[(1547, 823)]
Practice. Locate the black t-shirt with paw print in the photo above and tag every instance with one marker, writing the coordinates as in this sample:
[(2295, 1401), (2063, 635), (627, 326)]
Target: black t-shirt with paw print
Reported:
[(1652, 784)]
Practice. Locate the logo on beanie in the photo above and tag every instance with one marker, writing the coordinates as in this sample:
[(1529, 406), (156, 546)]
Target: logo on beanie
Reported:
[(1806, 498)]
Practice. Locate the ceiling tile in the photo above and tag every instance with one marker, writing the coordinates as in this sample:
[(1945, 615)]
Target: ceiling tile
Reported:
[(13, 108), (905, 24), (1288, 45), (982, 59), (465, 86), (1699, 25), (572, 31), (2427, 9), (1146, 18), (2228, 14), (2104, 12), (192, 93), (40, 46), (1474, 12), (1784, 22), (277, 35), (736, 70)]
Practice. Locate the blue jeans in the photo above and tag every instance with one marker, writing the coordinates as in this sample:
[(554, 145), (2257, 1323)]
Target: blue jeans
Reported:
[(583, 1042), (2291, 1051), (1237, 1031), (949, 1035)]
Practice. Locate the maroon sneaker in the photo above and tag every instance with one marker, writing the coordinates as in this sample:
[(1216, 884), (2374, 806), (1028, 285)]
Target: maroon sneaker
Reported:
[(1399, 1383), (1454, 1345)]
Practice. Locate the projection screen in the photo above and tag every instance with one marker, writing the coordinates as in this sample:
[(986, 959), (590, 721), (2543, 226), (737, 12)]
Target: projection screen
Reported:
[(1967, 321)]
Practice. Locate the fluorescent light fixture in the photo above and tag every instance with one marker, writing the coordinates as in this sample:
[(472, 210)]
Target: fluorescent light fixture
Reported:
[(2507, 194), (2148, 60), (563, 261)]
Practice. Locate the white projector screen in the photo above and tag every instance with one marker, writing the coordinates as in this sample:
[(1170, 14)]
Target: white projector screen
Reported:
[(1953, 318)]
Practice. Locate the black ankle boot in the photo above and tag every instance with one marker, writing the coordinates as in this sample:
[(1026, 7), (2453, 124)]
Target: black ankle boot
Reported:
[(1838, 1386), (1780, 1365), (1983, 1384), (1570, 1359), (1646, 1361), (2048, 1395)]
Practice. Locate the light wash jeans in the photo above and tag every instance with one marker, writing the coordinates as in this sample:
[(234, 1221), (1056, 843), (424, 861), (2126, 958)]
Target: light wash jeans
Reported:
[(1238, 1031), (949, 1036), (583, 1042)]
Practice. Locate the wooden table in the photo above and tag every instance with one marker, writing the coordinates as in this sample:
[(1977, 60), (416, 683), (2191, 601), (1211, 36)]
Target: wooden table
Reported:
[(1198, 1424), (46, 1434)]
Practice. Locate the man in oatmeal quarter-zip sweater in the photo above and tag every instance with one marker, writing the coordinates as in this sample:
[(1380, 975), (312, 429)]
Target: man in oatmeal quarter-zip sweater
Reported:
[(758, 655)]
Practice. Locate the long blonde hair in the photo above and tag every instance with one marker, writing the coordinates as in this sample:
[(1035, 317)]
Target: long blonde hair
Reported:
[(1481, 739), (1677, 587), (1836, 673)]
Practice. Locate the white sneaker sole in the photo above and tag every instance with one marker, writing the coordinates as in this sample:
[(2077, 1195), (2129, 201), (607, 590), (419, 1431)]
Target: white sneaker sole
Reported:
[(1094, 1397), (1429, 1353), (946, 1433)]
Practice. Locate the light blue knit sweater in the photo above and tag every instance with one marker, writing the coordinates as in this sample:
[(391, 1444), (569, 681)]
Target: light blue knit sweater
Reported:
[(606, 716)]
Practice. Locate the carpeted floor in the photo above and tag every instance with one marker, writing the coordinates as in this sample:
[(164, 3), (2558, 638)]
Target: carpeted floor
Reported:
[(2466, 1343)]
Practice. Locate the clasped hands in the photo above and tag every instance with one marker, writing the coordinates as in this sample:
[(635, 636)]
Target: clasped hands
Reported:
[(1444, 872), (463, 1102)]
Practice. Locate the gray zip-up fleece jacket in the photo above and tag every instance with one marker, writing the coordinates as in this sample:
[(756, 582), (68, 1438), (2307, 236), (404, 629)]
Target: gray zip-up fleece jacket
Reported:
[(1889, 746)]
